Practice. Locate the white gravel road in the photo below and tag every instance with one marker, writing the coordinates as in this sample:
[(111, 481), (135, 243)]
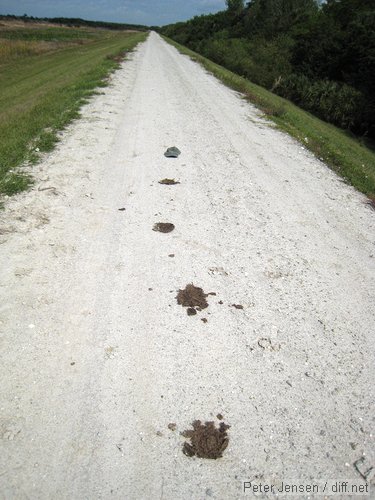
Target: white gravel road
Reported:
[(97, 356)]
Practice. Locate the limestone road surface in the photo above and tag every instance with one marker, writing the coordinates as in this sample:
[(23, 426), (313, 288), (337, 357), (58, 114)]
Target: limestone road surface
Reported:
[(103, 370)]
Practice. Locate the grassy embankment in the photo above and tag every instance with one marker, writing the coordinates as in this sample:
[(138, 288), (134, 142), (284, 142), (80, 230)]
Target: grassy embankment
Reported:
[(343, 153), (46, 74)]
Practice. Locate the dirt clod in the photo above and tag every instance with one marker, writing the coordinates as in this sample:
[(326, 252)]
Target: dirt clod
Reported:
[(172, 426), (219, 416), (192, 297), (163, 227), (121, 209), (206, 440), (237, 306), (169, 182), (205, 320), (191, 311)]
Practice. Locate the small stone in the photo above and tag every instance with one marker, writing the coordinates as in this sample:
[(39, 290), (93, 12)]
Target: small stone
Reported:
[(172, 152)]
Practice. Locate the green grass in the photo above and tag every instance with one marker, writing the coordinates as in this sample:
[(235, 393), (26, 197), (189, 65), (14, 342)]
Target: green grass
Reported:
[(345, 154), (41, 94)]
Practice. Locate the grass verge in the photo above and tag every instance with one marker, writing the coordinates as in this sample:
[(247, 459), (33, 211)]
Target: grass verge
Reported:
[(41, 94), (346, 155)]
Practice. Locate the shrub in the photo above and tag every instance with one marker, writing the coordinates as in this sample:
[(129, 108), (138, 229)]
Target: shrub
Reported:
[(334, 102)]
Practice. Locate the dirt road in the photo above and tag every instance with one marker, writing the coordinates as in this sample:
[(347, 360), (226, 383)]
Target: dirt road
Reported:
[(98, 358)]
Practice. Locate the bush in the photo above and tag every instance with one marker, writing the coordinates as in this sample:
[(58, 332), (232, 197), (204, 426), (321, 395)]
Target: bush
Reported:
[(334, 102), (233, 54), (260, 61)]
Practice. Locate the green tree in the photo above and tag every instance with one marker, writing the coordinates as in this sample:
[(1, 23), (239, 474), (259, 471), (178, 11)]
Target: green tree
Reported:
[(235, 5), (272, 17)]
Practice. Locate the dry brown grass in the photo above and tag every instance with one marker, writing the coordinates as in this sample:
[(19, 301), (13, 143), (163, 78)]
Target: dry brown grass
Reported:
[(14, 49), (18, 23)]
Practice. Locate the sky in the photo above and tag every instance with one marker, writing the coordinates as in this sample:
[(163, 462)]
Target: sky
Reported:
[(148, 12)]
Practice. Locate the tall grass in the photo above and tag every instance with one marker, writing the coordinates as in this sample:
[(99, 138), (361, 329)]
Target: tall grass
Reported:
[(14, 49), (16, 43)]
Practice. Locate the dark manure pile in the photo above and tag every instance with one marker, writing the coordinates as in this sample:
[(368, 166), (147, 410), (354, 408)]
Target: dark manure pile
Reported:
[(163, 227), (206, 440), (193, 298), (168, 182)]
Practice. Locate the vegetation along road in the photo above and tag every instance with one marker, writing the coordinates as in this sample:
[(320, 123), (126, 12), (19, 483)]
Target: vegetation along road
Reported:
[(46, 73), (254, 311)]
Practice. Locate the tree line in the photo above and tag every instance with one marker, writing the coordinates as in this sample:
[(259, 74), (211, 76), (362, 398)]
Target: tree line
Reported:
[(320, 56)]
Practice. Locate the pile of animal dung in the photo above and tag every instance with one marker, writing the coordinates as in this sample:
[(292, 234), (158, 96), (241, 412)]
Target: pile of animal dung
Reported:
[(168, 182), (206, 440), (193, 298), (163, 227)]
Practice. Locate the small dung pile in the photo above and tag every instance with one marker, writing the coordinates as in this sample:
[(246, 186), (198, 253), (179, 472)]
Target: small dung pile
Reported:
[(169, 182), (206, 440), (163, 227), (193, 298)]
